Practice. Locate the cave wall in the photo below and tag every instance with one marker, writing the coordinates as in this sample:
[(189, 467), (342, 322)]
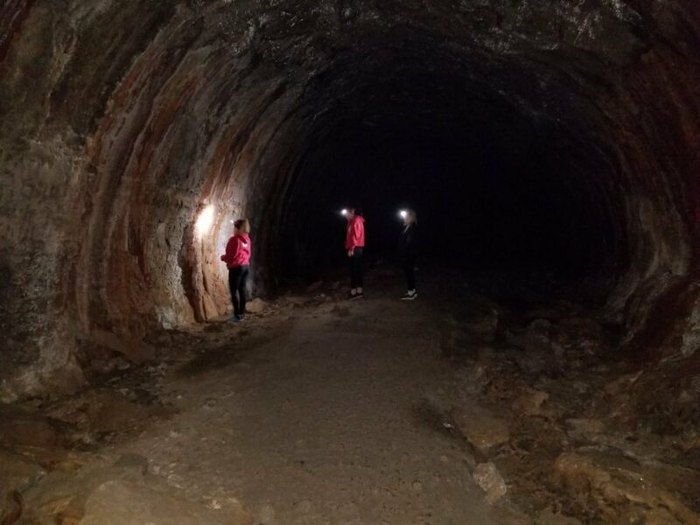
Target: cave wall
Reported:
[(120, 123)]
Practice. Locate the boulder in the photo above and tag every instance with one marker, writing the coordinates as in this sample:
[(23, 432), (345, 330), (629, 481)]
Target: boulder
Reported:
[(123, 494), (488, 478), (618, 493), (256, 306), (480, 428), (122, 502)]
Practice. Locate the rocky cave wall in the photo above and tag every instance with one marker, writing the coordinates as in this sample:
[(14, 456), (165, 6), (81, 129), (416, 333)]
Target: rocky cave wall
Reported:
[(121, 122)]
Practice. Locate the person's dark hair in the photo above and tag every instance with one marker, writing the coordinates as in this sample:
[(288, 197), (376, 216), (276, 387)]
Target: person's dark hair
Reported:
[(242, 225), (357, 211)]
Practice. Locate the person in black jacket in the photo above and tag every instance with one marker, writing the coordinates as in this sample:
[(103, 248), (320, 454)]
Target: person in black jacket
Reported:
[(408, 250)]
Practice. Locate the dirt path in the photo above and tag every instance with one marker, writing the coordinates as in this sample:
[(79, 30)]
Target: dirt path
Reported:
[(321, 423), (324, 411)]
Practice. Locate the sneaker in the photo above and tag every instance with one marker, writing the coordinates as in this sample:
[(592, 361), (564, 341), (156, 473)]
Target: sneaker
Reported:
[(236, 319), (359, 295), (410, 296)]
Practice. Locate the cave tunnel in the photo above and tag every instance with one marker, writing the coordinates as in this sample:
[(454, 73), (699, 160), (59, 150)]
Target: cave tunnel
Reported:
[(539, 142)]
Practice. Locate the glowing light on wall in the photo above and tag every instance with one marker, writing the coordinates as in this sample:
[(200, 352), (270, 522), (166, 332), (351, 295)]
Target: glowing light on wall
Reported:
[(204, 221)]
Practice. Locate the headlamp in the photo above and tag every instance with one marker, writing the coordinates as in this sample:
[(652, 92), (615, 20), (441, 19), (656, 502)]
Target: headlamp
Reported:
[(344, 212), (403, 214)]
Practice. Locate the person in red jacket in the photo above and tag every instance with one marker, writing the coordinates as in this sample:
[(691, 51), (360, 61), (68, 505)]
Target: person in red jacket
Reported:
[(237, 259), (354, 245)]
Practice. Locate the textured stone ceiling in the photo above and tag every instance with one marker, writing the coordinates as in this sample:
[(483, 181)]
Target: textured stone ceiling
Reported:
[(120, 122)]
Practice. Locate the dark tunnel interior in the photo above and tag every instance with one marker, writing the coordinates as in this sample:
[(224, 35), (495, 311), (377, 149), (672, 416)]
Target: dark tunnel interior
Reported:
[(497, 192)]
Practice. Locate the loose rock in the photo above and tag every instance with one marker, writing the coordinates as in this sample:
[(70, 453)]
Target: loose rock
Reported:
[(488, 478), (256, 306), (480, 428), (617, 495)]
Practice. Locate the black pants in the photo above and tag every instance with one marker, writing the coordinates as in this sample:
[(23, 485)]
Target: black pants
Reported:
[(409, 269), (237, 281), (356, 268)]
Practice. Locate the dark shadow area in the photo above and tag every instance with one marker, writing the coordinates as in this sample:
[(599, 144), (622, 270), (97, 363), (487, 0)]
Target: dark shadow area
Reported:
[(510, 175), (495, 195)]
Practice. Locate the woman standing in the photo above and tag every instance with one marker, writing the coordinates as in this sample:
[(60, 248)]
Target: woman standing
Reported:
[(237, 259), (354, 245), (408, 251)]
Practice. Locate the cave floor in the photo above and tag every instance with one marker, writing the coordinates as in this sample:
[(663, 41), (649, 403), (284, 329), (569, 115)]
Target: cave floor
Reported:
[(325, 422), (446, 410)]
